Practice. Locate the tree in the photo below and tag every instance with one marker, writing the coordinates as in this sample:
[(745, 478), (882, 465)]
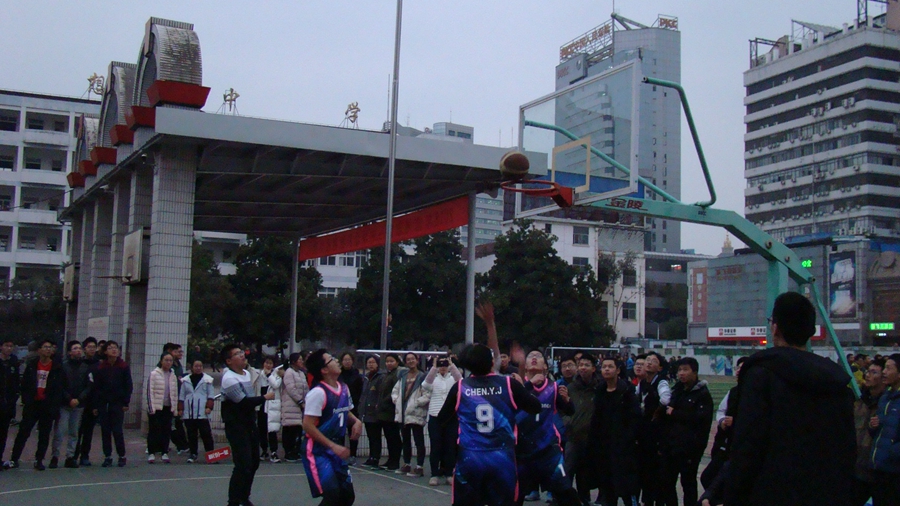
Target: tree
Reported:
[(32, 309), (212, 298), (612, 269), (364, 303), (540, 298)]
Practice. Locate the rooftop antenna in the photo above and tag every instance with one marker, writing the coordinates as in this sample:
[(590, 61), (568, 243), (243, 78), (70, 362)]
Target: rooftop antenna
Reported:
[(229, 103), (95, 86), (351, 115)]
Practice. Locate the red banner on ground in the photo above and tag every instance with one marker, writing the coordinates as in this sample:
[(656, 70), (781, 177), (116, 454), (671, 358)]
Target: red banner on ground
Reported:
[(218, 454), (437, 218)]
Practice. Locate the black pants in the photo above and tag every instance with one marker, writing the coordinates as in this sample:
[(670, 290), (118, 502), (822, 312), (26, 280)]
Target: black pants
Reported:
[(686, 466), (443, 447), (6, 415), (160, 423), (37, 413), (178, 435), (343, 496), (86, 433), (373, 433), (414, 433), (886, 491), (268, 441), (394, 443), (201, 426), (112, 419), (290, 438), (244, 441)]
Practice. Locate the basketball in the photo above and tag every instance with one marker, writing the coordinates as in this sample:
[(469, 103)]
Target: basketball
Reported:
[(514, 165)]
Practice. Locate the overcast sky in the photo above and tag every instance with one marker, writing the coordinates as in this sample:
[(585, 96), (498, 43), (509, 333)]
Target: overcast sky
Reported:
[(475, 60)]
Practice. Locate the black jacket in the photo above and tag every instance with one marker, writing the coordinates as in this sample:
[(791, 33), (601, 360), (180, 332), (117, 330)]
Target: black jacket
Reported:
[(690, 420), (385, 406), (9, 383), (794, 440), (78, 381), (614, 427), (54, 390), (354, 381), (112, 384)]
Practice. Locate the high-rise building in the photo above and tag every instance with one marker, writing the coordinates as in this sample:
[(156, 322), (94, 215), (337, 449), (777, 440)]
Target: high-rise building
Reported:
[(37, 144), (659, 47), (821, 145)]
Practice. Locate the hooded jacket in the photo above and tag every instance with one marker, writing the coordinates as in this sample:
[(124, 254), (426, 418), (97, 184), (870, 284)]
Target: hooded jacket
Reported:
[(794, 441), (272, 408), (194, 401), (410, 409), (691, 418), (886, 448)]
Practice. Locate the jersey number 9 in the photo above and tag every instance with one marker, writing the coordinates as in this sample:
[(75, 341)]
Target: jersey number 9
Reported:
[(484, 413)]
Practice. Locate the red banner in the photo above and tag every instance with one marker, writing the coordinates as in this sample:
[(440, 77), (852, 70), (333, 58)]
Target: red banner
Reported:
[(218, 454), (437, 218)]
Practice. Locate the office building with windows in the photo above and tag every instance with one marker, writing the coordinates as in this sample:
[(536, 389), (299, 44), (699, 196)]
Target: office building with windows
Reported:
[(37, 146), (821, 145)]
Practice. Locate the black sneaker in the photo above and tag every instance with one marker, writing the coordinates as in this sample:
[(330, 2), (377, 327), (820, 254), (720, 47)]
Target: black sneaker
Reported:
[(39, 466), (71, 463), (107, 462), (122, 461), (85, 462), (370, 463), (54, 462)]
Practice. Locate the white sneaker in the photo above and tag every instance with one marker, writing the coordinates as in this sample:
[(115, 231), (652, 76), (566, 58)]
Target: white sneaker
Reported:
[(165, 458), (151, 458), (434, 481), (450, 481), (274, 459)]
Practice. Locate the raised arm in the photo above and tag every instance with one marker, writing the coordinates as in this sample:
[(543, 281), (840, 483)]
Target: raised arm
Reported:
[(485, 311)]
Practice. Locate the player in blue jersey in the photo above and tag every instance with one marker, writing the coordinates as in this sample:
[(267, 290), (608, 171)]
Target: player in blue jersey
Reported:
[(538, 452), (486, 405), (325, 422)]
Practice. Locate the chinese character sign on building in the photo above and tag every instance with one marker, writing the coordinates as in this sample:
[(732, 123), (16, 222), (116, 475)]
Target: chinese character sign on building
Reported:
[(698, 295), (842, 284)]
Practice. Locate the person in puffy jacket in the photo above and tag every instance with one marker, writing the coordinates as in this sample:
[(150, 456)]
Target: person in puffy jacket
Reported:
[(886, 433), (270, 415), (162, 402), (294, 388), (411, 412), (195, 403), (112, 395), (368, 409)]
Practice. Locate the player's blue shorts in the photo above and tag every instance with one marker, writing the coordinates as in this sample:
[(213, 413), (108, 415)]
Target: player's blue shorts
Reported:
[(485, 477), (328, 474), (544, 469)]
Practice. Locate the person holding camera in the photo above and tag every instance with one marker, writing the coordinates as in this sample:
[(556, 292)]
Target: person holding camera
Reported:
[(438, 382)]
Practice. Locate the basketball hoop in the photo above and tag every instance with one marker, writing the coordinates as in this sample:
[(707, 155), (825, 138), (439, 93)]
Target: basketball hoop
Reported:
[(562, 195)]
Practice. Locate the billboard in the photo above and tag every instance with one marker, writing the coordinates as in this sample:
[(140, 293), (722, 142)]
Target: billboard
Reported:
[(698, 295), (842, 284)]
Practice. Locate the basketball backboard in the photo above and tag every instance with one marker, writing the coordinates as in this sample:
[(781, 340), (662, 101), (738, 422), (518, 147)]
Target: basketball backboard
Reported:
[(602, 112)]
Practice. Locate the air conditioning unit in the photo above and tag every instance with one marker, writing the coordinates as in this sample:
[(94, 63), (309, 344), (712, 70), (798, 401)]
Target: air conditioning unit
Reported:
[(760, 187), (783, 182), (793, 179), (842, 231), (844, 103), (136, 257), (851, 101), (70, 283), (856, 168)]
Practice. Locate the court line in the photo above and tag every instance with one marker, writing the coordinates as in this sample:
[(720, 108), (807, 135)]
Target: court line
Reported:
[(430, 488)]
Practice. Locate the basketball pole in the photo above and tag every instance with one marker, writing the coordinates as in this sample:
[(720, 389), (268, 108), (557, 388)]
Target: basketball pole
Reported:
[(392, 158), (470, 272)]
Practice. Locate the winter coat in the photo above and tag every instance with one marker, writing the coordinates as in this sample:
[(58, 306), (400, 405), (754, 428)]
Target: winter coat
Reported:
[(368, 401), (616, 416), (410, 409), (354, 381), (78, 382), (156, 390), (863, 410), (194, 401), (54, 391), (582, 396), (293, 395), (437, 386), (794, 442), (690, 421), (112, 384), (9, 383), (386, 409), (273, 407), (886, 449)]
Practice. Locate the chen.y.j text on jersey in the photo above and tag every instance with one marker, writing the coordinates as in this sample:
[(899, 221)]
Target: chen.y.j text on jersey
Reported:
[(334, 412), (538, 432), (486, 412)]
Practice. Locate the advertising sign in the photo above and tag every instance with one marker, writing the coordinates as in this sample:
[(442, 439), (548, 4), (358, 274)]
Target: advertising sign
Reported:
[(842, 284), (698, 295), (218, 454)]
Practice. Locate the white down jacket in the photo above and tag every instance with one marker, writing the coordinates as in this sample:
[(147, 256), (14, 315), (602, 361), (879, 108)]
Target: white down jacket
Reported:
[(273, 407)]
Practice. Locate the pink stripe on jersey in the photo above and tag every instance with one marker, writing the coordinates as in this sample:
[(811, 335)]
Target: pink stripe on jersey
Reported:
[(312, 464), (458, 394), (509, 387)]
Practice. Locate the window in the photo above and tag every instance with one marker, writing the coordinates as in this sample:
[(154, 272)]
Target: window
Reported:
[(629, 278), (451, 133), (9, 122), (33, 163), (7, 162), (664, 237), (580, 235), (52, 244), (35, 124), (582, 262), (548, 228), (5, 202), (332, 260), (348, 260), (664, 225), (4, 243), (60, 125), (56, 165), (27, 241), (328, 293), (463, 135), (309, 263), (629, 311)]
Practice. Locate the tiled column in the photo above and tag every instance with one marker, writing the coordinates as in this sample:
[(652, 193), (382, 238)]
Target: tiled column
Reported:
[(75, 255), (100, 253), (84, 273), (135, 310), (116, 290)]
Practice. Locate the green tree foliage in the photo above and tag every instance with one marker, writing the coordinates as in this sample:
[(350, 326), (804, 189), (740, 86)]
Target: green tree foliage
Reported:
[(212, 299), (262, 291), (540, 298), (32, 309)]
